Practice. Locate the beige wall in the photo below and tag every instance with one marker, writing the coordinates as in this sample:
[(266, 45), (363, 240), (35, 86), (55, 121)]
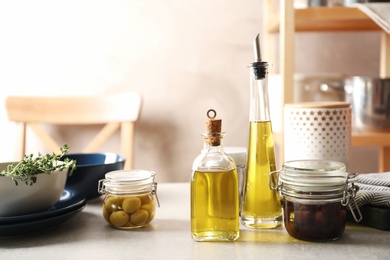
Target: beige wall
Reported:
[(183, 56)]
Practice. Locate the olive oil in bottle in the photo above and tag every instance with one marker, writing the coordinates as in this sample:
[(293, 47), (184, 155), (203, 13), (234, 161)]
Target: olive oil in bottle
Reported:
[(261, 207), (214, 189), (261, 204)]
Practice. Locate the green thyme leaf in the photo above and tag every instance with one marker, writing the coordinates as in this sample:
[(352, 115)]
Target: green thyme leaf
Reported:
[(31, 165)]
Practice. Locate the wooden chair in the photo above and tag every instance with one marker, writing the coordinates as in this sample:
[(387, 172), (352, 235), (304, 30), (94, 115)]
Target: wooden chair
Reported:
[(117, 111)]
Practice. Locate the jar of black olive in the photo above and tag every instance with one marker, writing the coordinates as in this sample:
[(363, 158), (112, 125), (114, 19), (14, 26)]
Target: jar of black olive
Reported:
[(130, 198), (315, 196)]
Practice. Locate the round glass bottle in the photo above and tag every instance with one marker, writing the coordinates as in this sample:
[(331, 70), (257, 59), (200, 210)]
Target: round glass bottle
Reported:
[(214, 189), (129, 200), (315, 195)]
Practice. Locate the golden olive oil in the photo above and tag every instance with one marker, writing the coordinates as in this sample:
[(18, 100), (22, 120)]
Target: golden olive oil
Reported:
[(261, 206), (215, 206)]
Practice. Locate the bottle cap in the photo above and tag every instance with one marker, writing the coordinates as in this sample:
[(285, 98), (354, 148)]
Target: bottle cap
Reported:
[(259, 66)]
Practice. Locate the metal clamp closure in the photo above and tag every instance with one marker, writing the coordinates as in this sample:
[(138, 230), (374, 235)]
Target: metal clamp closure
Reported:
[(154, 192), (101, 186), (349, 200)]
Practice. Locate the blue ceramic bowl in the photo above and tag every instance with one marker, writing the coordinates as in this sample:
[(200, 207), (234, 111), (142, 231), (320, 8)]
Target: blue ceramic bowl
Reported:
[(90, 168)]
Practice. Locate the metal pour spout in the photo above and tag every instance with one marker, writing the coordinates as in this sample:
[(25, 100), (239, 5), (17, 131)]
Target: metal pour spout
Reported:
[(256, 48)]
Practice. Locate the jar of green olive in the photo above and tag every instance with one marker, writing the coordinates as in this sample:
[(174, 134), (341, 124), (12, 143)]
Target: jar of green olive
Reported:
[(315, 196), (130, 198)]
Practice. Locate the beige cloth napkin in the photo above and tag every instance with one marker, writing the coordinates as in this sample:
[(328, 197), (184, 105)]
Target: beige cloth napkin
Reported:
[(378, 12)]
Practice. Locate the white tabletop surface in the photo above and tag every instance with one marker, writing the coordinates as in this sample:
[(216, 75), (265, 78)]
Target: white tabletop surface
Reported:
[(88, 236)]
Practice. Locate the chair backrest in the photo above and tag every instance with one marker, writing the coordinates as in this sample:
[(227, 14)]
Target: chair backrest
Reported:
[(116, 111)]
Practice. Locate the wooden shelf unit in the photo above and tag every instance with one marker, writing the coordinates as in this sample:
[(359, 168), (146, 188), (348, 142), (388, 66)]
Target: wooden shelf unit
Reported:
[(327, 19), (320, 19)]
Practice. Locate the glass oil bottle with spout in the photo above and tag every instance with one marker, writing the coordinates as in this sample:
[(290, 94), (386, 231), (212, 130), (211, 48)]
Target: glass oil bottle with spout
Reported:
[(261, 206), (214, 189)]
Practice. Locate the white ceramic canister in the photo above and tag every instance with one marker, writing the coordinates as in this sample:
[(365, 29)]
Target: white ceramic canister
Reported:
[(317, 130), (239, 156)]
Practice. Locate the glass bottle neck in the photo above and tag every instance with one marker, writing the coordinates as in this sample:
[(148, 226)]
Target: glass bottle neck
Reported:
[(212, 142), (259, 105), (207, 146)]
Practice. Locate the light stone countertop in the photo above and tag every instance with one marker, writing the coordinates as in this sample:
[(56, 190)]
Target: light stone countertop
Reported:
[(88, 236)]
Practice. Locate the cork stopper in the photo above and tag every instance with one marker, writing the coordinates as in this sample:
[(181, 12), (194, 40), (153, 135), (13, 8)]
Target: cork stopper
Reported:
[(213, 128)]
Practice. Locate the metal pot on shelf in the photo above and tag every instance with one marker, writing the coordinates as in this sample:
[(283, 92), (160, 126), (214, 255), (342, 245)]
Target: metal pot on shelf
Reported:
[(319, 87), (370, 101), (369, 97)]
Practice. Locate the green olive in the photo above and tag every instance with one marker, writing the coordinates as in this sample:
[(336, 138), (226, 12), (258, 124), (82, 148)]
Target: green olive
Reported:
[(146, 199), (140, 217), (119, 218), (151, 210), (129, 224), (113, 204), (131, 205), (148, 207), (106, 215)]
